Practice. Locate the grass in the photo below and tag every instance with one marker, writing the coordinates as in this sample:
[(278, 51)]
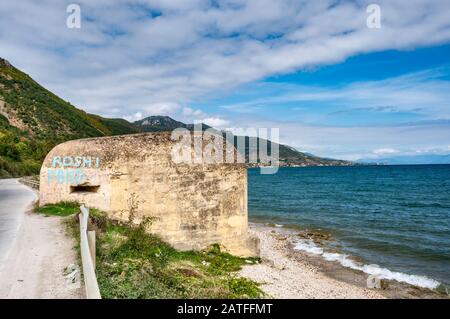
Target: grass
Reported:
[(133, 264), (62, 209)]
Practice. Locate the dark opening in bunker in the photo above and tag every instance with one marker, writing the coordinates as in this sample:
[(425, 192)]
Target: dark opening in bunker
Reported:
[(84, 189)]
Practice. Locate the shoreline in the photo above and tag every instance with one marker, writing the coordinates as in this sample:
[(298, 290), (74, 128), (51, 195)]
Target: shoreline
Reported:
[(286, 272)]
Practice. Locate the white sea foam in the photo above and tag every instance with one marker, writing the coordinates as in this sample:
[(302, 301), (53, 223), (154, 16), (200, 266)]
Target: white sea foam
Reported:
[(344, 260)]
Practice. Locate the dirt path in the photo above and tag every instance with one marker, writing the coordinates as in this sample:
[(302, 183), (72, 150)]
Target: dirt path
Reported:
[(34, 267)]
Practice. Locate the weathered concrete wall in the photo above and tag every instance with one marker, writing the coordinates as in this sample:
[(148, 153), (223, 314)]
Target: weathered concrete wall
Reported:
[(191, 205)]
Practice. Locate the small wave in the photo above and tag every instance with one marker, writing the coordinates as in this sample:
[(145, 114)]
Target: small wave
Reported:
[(424, 205), (274, 225), (420, 281)]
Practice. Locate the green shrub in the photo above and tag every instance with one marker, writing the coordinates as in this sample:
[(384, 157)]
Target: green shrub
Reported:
[(134, 264), (61, 209)]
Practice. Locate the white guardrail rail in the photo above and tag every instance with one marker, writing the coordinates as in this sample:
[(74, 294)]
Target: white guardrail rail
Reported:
[(87, 244), (31, 181)]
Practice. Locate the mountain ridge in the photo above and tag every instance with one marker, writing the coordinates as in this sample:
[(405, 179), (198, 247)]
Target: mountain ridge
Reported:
[(33, 120)]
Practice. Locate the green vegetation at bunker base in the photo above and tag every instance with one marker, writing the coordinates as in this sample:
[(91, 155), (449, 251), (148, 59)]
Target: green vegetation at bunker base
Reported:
[(134, 264)]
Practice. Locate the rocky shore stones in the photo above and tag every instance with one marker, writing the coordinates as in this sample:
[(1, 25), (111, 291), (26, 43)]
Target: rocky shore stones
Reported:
[(375, 282), (315, 236)]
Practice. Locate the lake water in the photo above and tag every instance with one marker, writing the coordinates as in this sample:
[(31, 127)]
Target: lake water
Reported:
[(397, 217)]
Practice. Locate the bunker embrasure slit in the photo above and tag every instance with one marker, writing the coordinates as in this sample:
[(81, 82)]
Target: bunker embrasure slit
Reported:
[(84, 189)]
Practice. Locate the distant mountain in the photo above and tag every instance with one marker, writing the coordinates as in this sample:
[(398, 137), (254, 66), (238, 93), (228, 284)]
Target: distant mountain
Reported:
[(33, 120), (413, 159), (158, 123), (288, 156)]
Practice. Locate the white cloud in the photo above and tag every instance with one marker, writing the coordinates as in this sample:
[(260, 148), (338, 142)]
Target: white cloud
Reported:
[(187, 111), (161, 108), (426, 92), (383, 151), (133, 117), (355, 142), (198, 116), (123, 59), (216, 122), (134, 58)]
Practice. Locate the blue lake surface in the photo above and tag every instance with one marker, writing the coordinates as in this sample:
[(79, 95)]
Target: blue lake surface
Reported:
[(397, 217)]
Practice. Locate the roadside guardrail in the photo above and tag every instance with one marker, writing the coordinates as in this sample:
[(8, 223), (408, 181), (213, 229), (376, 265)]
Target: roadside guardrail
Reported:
[(87, 244)]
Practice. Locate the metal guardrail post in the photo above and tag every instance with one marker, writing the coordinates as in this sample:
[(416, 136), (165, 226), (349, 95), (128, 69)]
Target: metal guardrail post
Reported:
[(88, 257), (30, 182), (91, 242)]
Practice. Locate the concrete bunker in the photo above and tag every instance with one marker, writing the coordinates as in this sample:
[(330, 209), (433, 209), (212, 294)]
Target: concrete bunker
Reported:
[(192, 205)]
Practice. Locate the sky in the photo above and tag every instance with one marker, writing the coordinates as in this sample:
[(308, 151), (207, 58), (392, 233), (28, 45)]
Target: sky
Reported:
[(314, 69)]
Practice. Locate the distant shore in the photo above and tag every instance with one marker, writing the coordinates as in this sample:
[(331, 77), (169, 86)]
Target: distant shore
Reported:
[(289, 273)]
